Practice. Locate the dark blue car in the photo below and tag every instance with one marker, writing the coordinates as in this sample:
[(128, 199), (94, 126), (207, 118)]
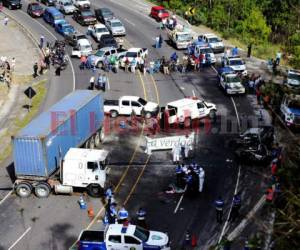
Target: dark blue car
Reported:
[(64, 28)]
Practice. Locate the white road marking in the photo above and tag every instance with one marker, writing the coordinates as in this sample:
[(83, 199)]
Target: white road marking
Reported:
[(235, 192), (128, 21), (20, 238), (236, 112), (108, 83), (178, 204), (194, 95), (180, 200), (6, 196), (51, 34)]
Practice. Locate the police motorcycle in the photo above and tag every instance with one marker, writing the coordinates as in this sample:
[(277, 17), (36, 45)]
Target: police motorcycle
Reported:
[(254, 154)]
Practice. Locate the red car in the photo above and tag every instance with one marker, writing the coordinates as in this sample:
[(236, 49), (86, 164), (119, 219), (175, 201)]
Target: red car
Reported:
[(35, 10), (159, 13)]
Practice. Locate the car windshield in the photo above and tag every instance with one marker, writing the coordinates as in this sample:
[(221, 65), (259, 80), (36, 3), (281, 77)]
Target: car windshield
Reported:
[(141, 233), (234, 84), (294, 76), (36, 7), (99, 53), (101, 30), (213, 40), (163, 11), (294, 104), (116, 24), (131, 54), (142, 101), (58, 17), (86, 13), (236, 62), (233, 79), (67, 3), (183, 37), (86, 47), (206, 50), (109, 41), (67, 26)]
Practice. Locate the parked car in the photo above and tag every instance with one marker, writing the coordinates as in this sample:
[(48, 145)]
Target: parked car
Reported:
[(292, 79), (35, 10), (290, 110), (48, 2), (230, 82), (116, 27), (66, 6), (82, 4), (12, 4), (72, 39), (84, 17), (107, 40), (236, 63), (82, 48), (53, 16), (159, 13), (98, 30), (64, 28), (104, 14), (213, 41)]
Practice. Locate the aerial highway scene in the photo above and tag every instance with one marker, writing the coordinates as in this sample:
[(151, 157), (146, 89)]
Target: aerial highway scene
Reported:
[(144, 124)]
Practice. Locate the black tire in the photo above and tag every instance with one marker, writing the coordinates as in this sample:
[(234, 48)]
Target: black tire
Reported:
[(94, 190), (92, 142), (114, 113), (87, 144), (42, 190), (97, 138), (99, 65), (24, 189)]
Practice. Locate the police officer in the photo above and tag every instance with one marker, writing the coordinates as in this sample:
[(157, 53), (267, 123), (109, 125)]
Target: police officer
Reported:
[(219, 205), (236, 204), (176, 153), (112, 214), (109, 195), (141, 217), (123, 215)]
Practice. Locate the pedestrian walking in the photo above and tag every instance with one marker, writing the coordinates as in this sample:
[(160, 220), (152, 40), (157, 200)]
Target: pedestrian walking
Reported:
[(13, 64), (160, 41), (176, 153), (157, 42), (133, 65), (235, 51), (141, 217), (112, 214), (201, 179), (278, 58), (5, 20), (185, 147), (35, 70), (179, 176), (236, 205), (42, 40), (249, 50), (219, 205), (47, 61), (58, 70), (82, 62), (92, 82), (123, 215)]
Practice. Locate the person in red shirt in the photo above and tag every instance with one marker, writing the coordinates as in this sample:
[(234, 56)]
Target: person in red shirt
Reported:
[(274, 167)]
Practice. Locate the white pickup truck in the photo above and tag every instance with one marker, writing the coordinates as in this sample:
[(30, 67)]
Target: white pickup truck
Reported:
[(119, 237), (82, 4), (128, 104), (138, 53), (180, 38), (185, 110)]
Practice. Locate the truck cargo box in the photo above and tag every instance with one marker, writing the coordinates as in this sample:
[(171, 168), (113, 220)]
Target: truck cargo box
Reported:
[(41, 145)]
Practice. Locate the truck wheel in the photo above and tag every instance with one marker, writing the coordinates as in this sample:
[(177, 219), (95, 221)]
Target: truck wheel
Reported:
[(92, 142), (94, 190), (24, 189), (113, 113), (148, 115), (87, 144), (99, 65), (42, 190), (97, 138)]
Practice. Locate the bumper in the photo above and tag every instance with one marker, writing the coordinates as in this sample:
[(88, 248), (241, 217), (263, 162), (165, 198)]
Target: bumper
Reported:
[(89, 22), (235, 92), (119, 33), (16, 6), (218, 50)]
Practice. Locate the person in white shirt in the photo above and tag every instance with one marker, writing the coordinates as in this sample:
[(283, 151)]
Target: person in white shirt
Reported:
[(201, 179)]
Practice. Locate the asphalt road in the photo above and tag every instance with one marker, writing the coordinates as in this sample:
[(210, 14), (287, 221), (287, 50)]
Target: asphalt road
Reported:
[(55, 223)]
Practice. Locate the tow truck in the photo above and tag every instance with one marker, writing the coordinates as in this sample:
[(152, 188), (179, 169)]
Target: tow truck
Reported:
[(119, 237)]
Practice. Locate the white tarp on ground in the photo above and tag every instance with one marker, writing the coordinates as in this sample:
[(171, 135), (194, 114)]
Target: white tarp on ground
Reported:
[(167, 143)]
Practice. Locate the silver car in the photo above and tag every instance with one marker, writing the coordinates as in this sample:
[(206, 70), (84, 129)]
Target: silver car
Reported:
[(116, 27), (66, 6)]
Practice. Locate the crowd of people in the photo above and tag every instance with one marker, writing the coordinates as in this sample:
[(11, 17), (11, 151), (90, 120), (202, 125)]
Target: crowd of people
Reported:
[(6, 69)]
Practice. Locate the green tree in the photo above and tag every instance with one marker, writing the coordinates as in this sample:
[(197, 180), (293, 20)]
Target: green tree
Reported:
[(254, 28)]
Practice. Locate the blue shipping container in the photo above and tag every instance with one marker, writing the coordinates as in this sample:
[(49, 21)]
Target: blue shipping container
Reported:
[(39, 147)]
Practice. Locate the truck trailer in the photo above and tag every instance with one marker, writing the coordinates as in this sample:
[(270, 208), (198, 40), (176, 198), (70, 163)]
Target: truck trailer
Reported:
[(40, 148)]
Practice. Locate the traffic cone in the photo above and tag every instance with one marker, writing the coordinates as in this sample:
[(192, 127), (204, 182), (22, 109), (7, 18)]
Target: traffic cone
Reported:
[(91, 213), (194, 241)]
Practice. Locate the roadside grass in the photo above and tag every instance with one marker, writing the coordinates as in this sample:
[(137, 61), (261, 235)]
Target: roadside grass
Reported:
[(20, 123)]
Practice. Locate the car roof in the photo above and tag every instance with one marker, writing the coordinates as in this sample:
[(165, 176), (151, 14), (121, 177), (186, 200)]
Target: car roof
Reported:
[(84, 42), (210, 35), (99, 25), (105, 10), (230, 74), (182, 102), (158, 7), (117, 229), (134, 49), (53, 10), (106, 49), (130, 97), (115, 20), (234, 58)]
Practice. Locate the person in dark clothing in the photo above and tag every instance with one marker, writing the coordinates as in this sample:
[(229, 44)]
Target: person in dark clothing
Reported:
[(236, 205), (57, 71), (160, 41), (47, 61), (219, 205), (249, 50), (35, 70)]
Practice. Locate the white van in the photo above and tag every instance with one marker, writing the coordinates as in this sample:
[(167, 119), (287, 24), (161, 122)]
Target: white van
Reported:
[(82, 48)]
